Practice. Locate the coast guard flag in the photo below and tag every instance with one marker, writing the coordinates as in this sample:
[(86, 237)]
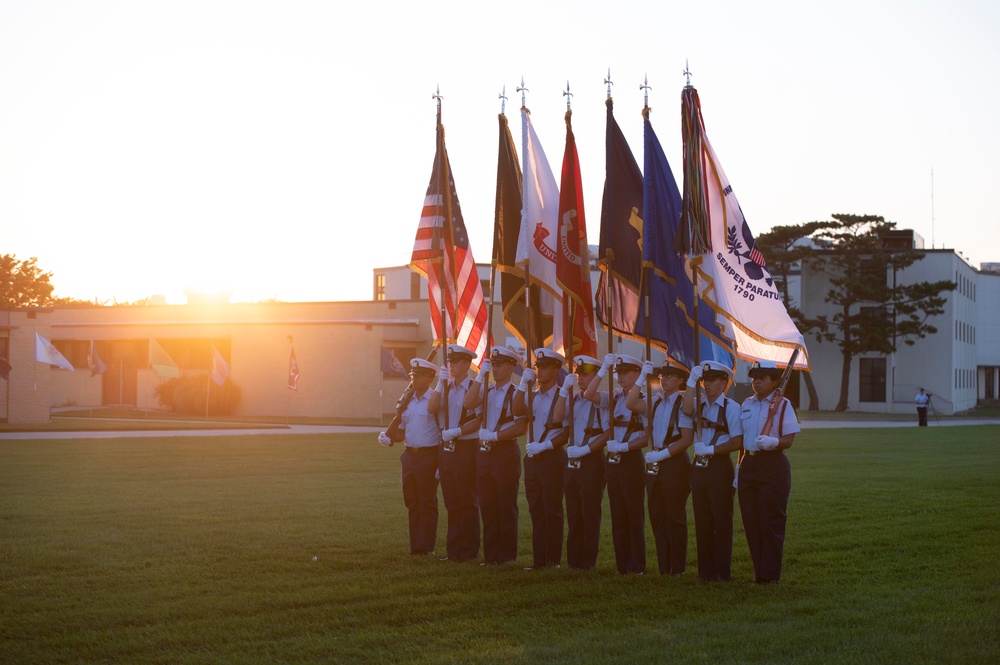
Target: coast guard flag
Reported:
[(671, 293), (441, 253), (536, 242), (732, 275), (220, 368), (46, 353), (391, 365), (94, 361)]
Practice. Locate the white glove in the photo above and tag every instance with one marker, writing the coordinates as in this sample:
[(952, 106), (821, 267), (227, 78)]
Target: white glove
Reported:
[(647, 370), (384, 439), (488, 435), (526, 380), (568, 384), (451, 434), (654, 456), (484, 370), (609, 362), (444, 376), (617, 446), (536, 447), (766, 442), (575, 452), (695, 376), (703, 449)]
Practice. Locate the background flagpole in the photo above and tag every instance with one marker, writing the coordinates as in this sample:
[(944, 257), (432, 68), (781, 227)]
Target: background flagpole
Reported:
[(444, 186)]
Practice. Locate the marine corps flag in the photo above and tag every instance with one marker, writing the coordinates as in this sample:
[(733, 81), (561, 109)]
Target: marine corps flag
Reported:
[(671, 294), (621, 232), (573, 255), (441, 253), (731, 272), (506, 229)]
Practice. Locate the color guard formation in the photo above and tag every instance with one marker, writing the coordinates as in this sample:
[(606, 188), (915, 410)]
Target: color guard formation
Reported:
[(581, 441)]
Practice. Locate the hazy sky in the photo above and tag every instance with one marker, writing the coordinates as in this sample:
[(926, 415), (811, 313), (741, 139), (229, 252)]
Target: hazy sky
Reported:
[(283, 149)]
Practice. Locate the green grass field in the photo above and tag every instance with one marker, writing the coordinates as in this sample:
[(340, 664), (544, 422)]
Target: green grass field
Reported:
[(200, 550)]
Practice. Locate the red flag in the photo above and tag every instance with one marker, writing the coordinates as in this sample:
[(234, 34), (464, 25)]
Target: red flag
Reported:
[(441, 253), (573, 257)]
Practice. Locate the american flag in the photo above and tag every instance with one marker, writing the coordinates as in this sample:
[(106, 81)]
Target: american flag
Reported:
[(451, 274)]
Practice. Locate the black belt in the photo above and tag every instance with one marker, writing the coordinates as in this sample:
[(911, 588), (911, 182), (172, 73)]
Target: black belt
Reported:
[(421, 449), (763, 453), (465, 441)]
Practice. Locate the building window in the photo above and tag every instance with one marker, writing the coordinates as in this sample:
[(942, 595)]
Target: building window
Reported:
[(379, 287), (414, 286), (75, 351), (871, 387)]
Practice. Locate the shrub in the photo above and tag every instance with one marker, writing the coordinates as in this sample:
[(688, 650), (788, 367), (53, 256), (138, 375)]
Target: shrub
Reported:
[(186, 395)]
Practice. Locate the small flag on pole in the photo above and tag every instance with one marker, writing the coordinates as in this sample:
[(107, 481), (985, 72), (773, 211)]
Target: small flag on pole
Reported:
[(293, 372), (46, 353), (391, 365), (220, 368), (160, 361), (94, 361)]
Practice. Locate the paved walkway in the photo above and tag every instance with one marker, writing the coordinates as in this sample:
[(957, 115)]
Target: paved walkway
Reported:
[(351, 429)]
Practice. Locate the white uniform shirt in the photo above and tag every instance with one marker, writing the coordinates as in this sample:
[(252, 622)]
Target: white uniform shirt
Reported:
[(754, 415), (456, 396), (494, 405), (541, 406), (623, 414), (710, 414), (662, 408), (420, 426), (587, 414)]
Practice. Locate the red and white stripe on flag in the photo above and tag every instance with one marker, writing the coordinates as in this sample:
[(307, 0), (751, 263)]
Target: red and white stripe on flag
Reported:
[(451, 274)]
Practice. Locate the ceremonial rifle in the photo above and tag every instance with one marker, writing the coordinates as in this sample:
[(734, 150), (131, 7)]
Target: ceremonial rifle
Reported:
[(778, 393)]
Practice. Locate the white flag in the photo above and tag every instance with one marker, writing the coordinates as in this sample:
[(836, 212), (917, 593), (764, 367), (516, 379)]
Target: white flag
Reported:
[(220, 368), (537, 240), (46, 353), (734, 280)]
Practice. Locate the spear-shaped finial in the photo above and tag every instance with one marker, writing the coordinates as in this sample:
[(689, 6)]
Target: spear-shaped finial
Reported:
[(568, 95), (503, 99), (609, 83), (687, 73), (521, 89), (645, 87), (437, 96)]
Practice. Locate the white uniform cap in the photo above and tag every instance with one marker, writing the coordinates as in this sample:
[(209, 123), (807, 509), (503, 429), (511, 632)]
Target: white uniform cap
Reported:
[(763, 368), (421, 365), (549, 356), (503, 353), (710, 366), (459, 350), (627, 362), (592, 364)]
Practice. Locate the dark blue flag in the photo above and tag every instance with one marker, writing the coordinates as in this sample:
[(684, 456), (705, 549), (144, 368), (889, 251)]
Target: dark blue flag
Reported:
[(671, 294), (391, 365), (621, 233)]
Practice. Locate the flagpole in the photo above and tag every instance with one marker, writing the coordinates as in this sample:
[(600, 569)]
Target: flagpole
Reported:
[(445, 189), (690, 239), (648, 276), (609, 259), (528, 352), (569, 308)]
